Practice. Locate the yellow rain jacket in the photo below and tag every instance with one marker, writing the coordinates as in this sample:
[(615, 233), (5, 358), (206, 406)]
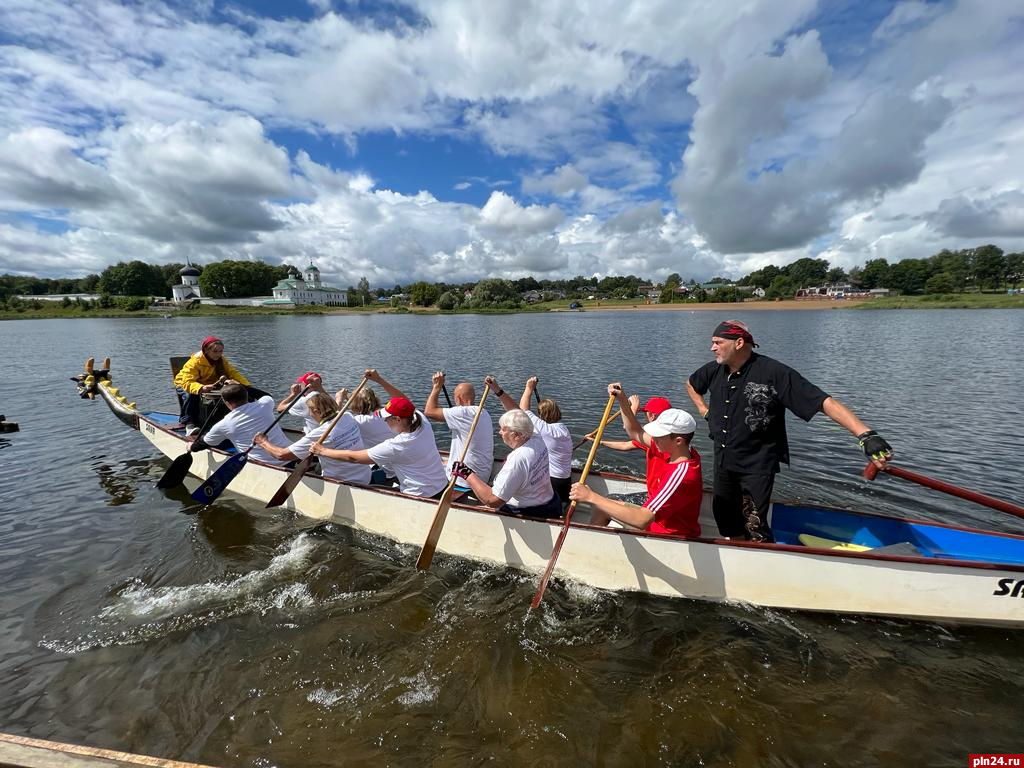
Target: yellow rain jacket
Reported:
[(199, 371)]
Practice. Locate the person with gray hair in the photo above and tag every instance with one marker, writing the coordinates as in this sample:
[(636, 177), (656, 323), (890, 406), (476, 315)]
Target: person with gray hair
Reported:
[(547, 424), (523, 485)]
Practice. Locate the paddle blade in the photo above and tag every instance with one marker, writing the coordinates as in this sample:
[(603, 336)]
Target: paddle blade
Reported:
[(218, 481), (175, 473), (290, 482)]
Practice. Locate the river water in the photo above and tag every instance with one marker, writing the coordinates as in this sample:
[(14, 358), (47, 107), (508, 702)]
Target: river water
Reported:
[(239, 636)]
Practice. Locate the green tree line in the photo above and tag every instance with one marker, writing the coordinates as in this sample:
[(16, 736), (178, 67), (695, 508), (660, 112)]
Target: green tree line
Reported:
[(985, 267)]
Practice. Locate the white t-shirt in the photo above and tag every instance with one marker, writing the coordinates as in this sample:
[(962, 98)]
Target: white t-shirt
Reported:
[(558, 442), (373, 428), (345, 436), (299, 408), (480, 457), (243, 423), (524, 480), (413, 457)]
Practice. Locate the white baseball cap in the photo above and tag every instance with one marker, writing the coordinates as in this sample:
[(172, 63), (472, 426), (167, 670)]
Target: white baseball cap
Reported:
[(671, 421)]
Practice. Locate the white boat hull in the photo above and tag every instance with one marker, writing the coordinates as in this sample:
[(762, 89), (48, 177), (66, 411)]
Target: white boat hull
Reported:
[(771, 575)]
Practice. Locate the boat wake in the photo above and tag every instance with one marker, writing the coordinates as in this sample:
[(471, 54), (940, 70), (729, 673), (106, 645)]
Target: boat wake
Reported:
[(143, 603), (154, 612)]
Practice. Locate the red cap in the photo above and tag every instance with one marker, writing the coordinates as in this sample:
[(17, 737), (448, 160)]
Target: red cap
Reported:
[(209, 340), (655, 406), (401, 407), (304, 378)]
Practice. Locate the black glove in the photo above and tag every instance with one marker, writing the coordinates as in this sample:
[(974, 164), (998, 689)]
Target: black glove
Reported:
[(461, 470), (874, 445)]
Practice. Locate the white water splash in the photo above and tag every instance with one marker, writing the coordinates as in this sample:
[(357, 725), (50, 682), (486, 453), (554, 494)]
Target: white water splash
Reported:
[(421, 691), (325, 698), (328, 699), (143, 603)]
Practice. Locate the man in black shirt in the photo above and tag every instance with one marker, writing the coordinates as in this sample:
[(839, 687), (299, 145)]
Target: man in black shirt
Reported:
[(747, 417)]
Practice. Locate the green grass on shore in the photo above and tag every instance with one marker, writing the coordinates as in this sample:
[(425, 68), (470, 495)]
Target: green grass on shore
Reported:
[(947, 301), (54, 311), (57, 312)]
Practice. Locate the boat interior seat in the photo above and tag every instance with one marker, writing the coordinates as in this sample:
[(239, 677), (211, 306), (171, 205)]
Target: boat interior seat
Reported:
[(819, 542), (900, 548)]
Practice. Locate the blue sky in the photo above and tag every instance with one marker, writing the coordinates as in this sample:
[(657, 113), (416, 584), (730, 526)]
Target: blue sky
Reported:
[(455, 140)]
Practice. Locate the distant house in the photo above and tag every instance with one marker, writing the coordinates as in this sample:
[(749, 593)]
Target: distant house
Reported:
[(710, 288), (838, 291), (307, 290), (532, 297)]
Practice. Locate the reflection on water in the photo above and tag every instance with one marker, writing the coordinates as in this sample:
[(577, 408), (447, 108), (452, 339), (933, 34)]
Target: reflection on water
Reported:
[(229, 531), (120, 480), (234, 635)]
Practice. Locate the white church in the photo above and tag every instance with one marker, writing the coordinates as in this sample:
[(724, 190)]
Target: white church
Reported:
[(290, 292), (308, 290), (188, 288)]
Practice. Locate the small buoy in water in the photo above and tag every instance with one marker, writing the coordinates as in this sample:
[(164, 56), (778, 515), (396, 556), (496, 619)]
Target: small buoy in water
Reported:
[(7, 426)]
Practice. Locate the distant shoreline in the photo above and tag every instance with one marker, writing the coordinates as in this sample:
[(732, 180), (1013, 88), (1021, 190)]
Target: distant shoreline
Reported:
[(722, 306), (947, 301)]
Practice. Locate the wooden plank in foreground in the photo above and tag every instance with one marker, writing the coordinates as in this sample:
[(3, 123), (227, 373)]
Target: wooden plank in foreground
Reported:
[(23, 752)]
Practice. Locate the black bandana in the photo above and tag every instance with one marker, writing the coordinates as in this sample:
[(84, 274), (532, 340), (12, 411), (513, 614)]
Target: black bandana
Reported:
[(731, 331)]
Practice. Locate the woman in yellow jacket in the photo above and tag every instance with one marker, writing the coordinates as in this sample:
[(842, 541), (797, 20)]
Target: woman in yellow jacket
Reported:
[(205, 371)]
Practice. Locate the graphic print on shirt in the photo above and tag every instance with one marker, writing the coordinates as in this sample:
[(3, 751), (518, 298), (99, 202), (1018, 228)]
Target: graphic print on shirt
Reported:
[(759, 398)]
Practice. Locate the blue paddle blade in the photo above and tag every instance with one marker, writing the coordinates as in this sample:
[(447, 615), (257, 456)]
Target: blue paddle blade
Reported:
[(218, 481)]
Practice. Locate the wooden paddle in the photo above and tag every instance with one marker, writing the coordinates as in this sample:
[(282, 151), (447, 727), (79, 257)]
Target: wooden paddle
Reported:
[(303, 466), (613, 417), (572, 506), (536, 393), (427, 550), (216, 483), (445, 390), (872, 469)]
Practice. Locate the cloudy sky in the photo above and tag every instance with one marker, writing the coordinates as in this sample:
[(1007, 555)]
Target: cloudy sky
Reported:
[(458, 139)]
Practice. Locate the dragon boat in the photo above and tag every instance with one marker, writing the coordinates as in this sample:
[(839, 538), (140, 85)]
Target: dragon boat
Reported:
[(823, 559)]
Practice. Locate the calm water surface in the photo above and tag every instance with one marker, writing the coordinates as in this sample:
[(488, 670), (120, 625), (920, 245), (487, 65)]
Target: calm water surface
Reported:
[(239, 636)]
